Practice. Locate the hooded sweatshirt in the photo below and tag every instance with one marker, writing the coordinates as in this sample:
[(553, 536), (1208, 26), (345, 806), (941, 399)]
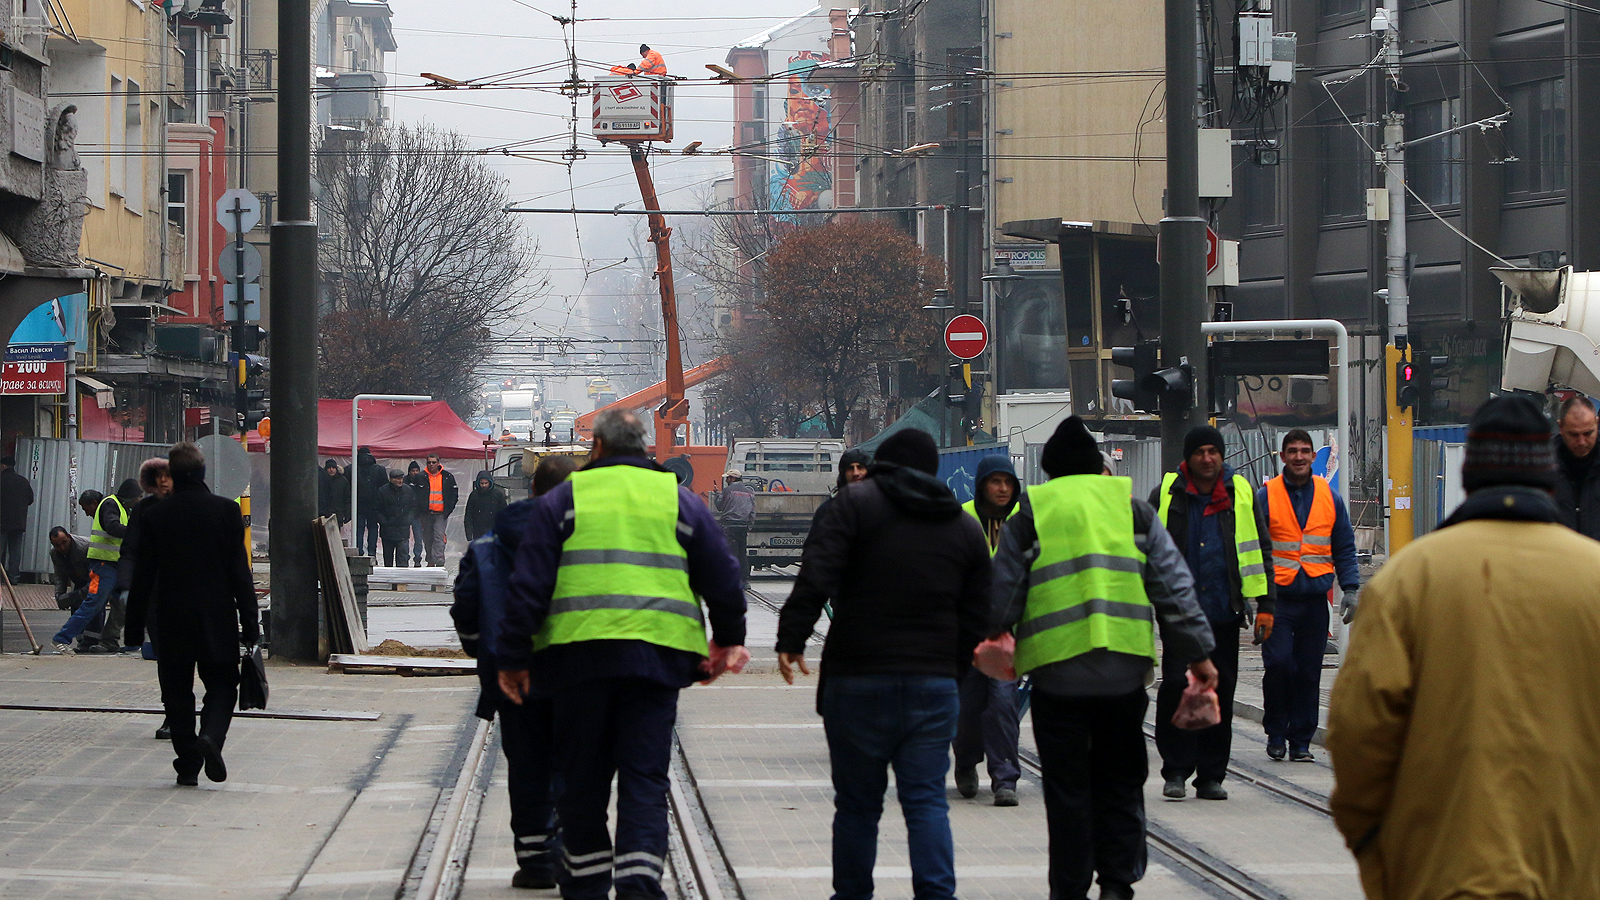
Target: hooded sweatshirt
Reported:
[(908, 573), (483, 504), (993, 520)]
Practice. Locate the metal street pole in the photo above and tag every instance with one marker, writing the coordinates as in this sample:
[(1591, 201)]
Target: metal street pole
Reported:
[(1183, 232), (1397, 433), (294, 350)]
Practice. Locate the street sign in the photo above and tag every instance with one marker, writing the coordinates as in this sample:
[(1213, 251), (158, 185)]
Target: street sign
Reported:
[(227, 465), (1211, 250), (238, 210), (966, 337), (252, 302), (33, 378), (228, 259), (36, 352)]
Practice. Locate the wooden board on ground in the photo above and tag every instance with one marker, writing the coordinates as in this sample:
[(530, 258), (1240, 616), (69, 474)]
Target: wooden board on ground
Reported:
[(402, 665), (345, 630)]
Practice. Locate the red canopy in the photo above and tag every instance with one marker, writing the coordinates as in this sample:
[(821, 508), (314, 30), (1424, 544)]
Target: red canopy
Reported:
[(393, 430)]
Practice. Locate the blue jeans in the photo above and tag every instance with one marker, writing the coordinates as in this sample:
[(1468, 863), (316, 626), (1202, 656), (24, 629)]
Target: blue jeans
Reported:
[(1292, 687), (873, 722), (90, 609)]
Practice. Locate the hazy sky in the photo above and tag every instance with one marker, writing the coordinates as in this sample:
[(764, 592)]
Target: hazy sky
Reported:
[(507, 35)]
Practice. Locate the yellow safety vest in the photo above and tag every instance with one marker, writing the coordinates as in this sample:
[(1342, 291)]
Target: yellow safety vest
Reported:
[(1086, 589), (1246, 537), (102, 545), (623, 574), (971, 506)]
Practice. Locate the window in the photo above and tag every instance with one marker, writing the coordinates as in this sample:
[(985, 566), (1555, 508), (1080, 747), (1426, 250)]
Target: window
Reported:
[(1434, 167), (1537, 137), (1345, 165), (118, 138), (178, 199), (1338, 9), (189, 46), (908, 126), (1256, 186), (133, 149)]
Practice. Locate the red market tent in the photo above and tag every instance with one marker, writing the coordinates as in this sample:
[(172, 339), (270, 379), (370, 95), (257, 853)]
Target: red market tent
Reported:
[(393, 430)]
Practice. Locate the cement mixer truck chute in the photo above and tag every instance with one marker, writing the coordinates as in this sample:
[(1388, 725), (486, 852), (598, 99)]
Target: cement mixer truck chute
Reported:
[(1552, 329)]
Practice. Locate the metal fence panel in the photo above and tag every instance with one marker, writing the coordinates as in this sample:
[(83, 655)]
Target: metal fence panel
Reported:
[(958, 466), (59, 471)]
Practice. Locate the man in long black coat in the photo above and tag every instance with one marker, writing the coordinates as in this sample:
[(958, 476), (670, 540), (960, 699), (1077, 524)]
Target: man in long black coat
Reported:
[(192, 566)]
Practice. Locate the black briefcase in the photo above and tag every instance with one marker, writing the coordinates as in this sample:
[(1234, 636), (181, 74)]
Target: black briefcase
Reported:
[(252, 679)]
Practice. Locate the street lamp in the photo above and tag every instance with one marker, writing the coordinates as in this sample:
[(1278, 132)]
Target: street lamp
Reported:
[(940, 302)]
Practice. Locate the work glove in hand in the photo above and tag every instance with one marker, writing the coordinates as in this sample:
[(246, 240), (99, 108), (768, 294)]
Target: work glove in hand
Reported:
[(1347, 606), (1263, 627)]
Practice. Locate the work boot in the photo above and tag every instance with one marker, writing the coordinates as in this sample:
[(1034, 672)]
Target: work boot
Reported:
[(1005, 796), (535, 877), (1210, 790), (967, 782), (1173, 790), (1277, 750)]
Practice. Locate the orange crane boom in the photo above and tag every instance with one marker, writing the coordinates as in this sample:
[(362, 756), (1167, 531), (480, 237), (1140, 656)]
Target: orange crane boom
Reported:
[(655, 393)]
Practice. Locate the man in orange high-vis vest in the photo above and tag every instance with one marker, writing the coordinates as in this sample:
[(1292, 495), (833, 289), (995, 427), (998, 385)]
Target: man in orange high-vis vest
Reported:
[(650, 63), (437, 506), (1312, 542)]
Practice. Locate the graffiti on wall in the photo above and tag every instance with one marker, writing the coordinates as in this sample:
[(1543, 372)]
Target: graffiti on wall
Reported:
[(803, 177)]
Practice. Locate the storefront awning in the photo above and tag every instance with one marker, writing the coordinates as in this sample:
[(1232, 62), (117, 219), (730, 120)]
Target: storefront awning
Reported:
[(104, 396)]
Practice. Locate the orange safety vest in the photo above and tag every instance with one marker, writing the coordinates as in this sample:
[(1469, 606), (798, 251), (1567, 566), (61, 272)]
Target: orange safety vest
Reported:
[(436, 491), (1295, 549)]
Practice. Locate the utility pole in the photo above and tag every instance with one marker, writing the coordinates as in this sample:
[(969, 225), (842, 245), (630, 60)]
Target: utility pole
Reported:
[(1398, 467), (294, 350), (1183, 235)]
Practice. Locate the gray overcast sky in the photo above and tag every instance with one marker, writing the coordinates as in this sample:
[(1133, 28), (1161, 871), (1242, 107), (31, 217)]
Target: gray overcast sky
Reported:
[(504, 35)]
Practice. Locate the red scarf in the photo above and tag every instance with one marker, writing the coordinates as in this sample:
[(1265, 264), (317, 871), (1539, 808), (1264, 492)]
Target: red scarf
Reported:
[(1219, 491)]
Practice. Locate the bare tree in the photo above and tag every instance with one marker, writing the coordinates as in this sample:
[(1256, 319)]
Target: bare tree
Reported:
[(420, 263), (842, 303)]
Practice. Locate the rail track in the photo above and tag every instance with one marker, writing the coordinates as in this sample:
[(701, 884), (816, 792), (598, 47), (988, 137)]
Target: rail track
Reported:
[(1208, 871)]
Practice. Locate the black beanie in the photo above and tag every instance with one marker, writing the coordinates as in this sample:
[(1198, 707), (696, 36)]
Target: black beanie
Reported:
[(1198, 437), (1508, 442), (1072, 450), (912, 448)]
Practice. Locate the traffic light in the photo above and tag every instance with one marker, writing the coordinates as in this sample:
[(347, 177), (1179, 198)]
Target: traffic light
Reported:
[(1174, 383), (1143, 360), (1405, 385), (248, 337), (1429, 379), (254, 403), (956, 385)]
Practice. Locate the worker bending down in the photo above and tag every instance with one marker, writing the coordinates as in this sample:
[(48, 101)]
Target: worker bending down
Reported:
[(650, 63)]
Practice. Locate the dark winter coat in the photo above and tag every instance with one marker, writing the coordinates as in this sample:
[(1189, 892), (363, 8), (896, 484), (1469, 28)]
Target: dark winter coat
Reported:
[(16, 495), (483, 504), (369, 477), (452, 494), (908, 573), (396, 506), (193, 567), (1178, 527), (736, 505), (134, 537), (1577, 499)]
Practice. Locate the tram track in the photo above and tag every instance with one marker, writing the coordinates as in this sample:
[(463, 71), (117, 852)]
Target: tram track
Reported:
[(1211, 873)]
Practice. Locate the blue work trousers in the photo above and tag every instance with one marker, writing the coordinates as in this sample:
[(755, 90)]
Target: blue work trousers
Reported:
[(526, 737), (618, 727), (1292, 687), (873, 722), (103, 575), (989, 728)]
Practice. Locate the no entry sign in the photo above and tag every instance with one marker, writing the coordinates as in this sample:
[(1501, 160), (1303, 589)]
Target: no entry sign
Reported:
[(966, 337)]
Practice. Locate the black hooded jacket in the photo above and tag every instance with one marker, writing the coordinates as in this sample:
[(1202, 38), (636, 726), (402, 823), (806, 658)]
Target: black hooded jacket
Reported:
[(369, 477), (908, 574), (483, 504)]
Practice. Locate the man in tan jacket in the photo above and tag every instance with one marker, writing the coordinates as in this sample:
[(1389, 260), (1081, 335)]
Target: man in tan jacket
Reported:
[(1464, 724)]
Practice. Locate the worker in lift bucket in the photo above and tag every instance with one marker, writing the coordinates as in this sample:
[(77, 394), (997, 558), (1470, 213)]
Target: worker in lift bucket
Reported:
[(650, 63)]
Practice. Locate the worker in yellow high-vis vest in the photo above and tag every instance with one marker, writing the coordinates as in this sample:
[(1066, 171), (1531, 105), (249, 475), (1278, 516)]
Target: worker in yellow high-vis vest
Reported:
[(990, 724), (1209, 511), (616, 575), (106, 531), (1084, 574)]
